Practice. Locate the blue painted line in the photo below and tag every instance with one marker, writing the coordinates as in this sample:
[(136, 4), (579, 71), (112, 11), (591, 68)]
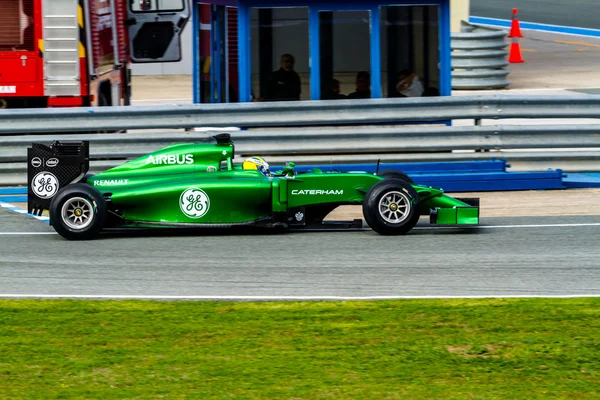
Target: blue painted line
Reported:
[(569, 30), (13, 190), (21, 211), (14, 199)]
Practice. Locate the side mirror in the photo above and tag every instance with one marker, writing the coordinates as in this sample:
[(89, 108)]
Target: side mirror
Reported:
[(288, 170)]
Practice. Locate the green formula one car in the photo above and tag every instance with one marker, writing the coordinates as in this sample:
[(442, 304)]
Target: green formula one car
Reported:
[(199, 185)]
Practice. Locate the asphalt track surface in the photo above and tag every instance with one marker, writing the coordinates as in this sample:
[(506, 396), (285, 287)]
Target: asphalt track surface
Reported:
[(576, 13), (550, 256)]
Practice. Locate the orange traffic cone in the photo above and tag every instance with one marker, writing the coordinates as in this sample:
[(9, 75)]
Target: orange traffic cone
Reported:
[(515, 28), (515, 53), (515, 34)]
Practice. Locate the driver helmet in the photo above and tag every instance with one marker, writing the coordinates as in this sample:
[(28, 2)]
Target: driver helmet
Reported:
[(257, 163)]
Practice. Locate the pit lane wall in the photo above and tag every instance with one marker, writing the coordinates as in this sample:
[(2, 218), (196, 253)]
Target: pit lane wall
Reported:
[(310, 133)]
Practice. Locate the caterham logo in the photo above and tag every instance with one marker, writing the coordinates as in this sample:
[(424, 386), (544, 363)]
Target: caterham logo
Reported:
[(171, 159), (44, 185), (194, 202), (314, 192)]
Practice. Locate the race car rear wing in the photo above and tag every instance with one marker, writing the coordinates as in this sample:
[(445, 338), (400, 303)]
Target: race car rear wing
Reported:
[(49, 168)]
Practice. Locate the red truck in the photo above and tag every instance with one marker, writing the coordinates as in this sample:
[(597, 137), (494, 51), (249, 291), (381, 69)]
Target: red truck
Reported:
[(68, 53)]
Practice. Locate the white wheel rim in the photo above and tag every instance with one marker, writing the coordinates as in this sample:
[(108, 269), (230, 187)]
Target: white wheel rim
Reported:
[(394, 207), (77, 213)]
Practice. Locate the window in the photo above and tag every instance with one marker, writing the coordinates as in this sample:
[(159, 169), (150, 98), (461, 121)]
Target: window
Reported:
[(279, 54), (410, 51), (16, 25), (345, 54)]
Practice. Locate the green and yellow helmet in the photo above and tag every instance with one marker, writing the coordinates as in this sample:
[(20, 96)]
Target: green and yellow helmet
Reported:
[(257, 163)]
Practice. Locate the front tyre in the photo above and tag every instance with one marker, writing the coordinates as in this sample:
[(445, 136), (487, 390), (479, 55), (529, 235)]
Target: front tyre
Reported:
[(78, 212), (391, 207)]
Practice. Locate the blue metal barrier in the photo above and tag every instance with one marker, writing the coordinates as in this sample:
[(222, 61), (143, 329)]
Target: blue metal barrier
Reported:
[(462, 176), (580, 181), (414, 167), (492, 181)]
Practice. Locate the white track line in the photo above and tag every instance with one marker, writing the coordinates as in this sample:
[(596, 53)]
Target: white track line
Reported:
[(508, 226), (157, 297), (26, 233)]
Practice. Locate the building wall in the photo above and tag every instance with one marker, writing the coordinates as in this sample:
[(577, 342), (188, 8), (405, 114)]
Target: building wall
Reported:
[(459, 11)]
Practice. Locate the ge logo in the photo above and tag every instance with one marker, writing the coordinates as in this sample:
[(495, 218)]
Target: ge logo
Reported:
[(44, 185), (194, 202)]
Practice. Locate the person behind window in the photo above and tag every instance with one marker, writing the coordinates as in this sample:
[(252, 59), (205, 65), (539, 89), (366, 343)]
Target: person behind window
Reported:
[(333, 92), (363, 86), (284, 84), (408, 85), (145, 5)]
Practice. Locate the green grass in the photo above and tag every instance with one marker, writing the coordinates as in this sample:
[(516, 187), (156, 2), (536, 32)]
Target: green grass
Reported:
[(406, 349)]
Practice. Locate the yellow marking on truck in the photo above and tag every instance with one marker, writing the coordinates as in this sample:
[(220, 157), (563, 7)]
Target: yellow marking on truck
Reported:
[(81, 31), (80, 16)]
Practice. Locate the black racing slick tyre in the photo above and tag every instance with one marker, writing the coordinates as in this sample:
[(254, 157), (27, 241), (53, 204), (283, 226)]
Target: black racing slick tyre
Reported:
[(391, 207), (78, 212), (391, 174)]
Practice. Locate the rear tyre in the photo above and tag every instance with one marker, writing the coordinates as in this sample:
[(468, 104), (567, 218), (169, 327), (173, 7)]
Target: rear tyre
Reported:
[(78, 212), (391, 174), (391, 207)]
